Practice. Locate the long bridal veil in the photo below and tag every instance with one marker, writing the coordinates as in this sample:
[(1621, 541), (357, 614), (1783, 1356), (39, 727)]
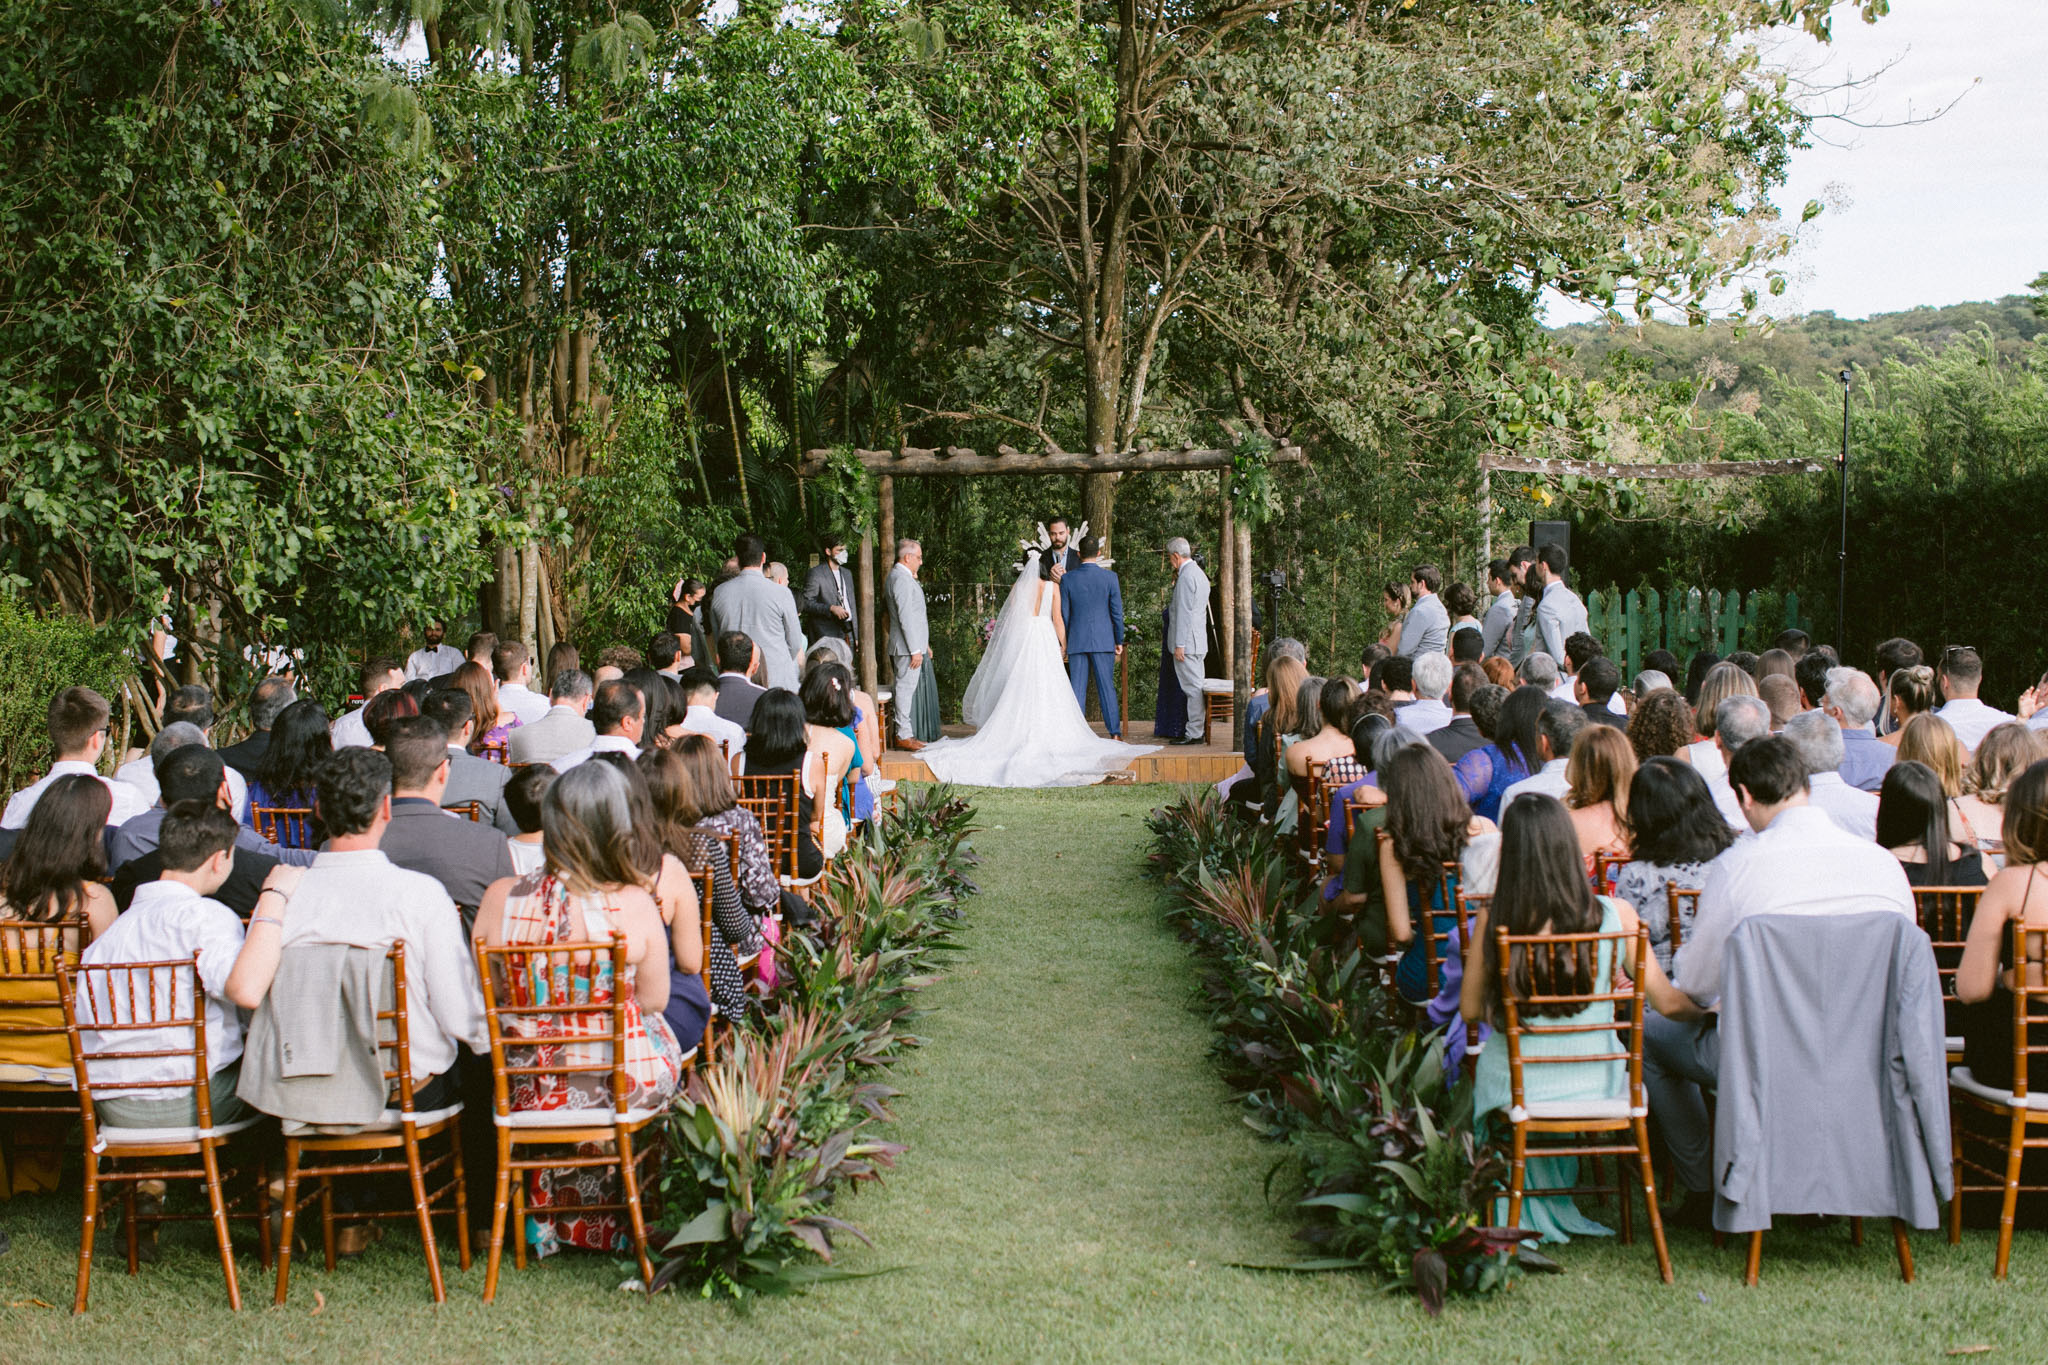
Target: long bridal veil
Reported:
[(1005, 647)]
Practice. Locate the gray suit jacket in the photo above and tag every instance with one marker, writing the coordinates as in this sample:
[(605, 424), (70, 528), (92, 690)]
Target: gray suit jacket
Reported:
[(478, 779), (1496, 629), (560, 731), (1559, 616), (1427, 630), (909, 631), (736, 698), (765, 612), (464, 857), (1190, 620), (828, 586)]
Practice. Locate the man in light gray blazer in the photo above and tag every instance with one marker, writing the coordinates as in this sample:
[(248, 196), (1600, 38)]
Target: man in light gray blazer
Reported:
[(910, 638), (762, 610), (1427, 628), (1559, 612), (469, 778), (1187, 633), (563, 730)]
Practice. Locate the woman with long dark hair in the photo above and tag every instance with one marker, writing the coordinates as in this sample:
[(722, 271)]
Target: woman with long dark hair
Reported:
[(1913, 821), (1984, 978), (300, 742), (1542, 889), (676, 807), (777, 742), (1427, 826), (827, 695), (1514, 739), (1676, 833)]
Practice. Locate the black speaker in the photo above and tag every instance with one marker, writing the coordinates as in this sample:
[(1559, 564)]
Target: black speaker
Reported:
[(1558, 533)]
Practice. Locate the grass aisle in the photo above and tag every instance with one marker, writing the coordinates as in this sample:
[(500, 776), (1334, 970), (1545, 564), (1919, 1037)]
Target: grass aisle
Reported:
[(1077, 1184)]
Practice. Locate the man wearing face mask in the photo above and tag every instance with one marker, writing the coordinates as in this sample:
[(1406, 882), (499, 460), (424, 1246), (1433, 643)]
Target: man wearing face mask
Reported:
[(828, 596)]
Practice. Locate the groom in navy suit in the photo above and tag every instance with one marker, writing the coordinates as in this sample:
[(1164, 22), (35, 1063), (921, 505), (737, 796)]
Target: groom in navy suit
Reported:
[(1092, 601)]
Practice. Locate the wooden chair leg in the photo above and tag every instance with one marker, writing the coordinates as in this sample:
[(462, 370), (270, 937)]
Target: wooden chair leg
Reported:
[(1756, 1259), (1855, 1232), (86, 1228), (498, 1215), (425, 1214), (631, 1179), (288, 1223), (1621, 1197), (263, 1247), (1955, 1197), (519, 1220), (1905, 1250), (134, 1234), (461, 1191), (1649, 1179), (327, 1220), (210, 1157), (1518, 1161), (2014, 1150)]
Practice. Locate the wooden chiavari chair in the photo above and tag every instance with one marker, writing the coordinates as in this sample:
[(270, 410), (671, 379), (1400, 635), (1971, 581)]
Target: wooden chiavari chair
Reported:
[(37, 1085), (285, 826), (2023, 1113), (1680, 903), (472, 811), (493, 751), (1438, 940), (1944, 913), (771, 800)]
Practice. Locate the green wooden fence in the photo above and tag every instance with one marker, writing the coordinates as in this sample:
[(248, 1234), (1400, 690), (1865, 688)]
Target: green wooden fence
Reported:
[(1632, 624)]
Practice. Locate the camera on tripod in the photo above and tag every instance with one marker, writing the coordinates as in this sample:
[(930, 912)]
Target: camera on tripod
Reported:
[(1274, 580)]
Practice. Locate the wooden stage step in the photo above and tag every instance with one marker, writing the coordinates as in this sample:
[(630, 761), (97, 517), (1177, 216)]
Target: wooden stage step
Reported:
[(1170, 763)]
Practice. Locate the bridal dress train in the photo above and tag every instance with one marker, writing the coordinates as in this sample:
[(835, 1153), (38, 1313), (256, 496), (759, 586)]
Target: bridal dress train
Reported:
[(1030, 730)]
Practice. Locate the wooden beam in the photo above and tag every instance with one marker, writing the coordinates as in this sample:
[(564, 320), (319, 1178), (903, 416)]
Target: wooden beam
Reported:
[(959, 462), (1610, 469)]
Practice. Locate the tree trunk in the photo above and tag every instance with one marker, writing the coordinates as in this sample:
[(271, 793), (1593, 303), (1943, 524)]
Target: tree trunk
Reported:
[(869, 678), (529, 597), (1098, 498), (1241, 608)]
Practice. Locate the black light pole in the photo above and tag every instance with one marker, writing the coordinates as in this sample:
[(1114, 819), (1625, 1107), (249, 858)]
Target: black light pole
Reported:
[(1842, 583)]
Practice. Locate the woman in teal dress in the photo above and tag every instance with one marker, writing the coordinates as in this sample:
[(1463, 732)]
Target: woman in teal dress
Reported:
[(1543, 889)]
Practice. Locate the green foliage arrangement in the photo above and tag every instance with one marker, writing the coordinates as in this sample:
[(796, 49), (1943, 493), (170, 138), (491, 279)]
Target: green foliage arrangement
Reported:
[(767, 1136), (1399, 1181), (45, 655)]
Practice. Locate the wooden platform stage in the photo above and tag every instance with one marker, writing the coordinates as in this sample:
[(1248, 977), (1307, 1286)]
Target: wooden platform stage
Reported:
[(1208, 762)]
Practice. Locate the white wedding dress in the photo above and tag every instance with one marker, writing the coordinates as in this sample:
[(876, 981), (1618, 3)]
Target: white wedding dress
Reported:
[(1030, 730)]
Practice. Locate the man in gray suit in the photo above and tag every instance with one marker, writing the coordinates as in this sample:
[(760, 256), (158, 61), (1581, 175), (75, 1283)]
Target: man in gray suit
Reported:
[(828, 596), (1559, 612), (910, 640), (1427, 629), (465, 857), (469, 778), (1187, 633), (563, 730), (766, 611)]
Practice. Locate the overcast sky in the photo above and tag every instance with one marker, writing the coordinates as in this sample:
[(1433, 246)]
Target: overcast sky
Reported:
[(1940, 212)]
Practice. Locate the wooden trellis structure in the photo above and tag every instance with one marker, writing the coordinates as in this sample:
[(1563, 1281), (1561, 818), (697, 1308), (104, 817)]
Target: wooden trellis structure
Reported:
[(957, 462)]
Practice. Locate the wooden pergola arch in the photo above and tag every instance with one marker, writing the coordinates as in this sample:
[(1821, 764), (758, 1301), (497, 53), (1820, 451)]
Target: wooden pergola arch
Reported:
[(958, 462)]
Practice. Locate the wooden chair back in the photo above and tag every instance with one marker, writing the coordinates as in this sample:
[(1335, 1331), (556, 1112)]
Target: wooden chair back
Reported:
[(32, 1028), (2029, 1002), (1440, 944), (1312, 819), (771, 799), (473, 811), (1554, 962), (1606, 868), (116, 1002), (541, 1020), (1680, 902), (706, 889), (285, 826), (1944, 913), (493, 751)]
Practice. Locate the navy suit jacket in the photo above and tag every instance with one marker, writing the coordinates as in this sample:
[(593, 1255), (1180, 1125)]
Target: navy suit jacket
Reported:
[(1092, 600)]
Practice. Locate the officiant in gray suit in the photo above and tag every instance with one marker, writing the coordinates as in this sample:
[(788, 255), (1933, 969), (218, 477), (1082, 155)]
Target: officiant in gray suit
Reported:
[(1188, 632), (910, 639)]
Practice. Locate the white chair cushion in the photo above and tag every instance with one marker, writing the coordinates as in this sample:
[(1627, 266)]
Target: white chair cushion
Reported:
[(149, 1137), (1953, 1042), (1961, 1079), (388, 1121), (572, 1118), (1554, 1110), (1222, 685)]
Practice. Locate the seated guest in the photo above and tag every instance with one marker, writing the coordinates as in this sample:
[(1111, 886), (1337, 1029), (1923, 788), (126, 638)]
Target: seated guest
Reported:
[(516, 697), (1542, 890), (720, 812), (186, 775), (595, 884), (700, 695), (1675, 836), (738, 660), (1427, 825), (266, 703), (1596, 688), (867, 727), (489, 724), (1369, 658), (1557, 729), (1662, 726), (776, 743), (1850, 700), (564, 728), (172, 919), (1819, 742), (388, 706), (1598, 773), (1703, 663), (351, 730), (1475, 768), (523, 799), (2006, 751), (662, 724), (1773, 663), (1394, 675), (1984, 980), (188, 707), (1648, 681), (1265, 738), (1665, 662), (299, 743), (1960, 675), (1721, 682), (1810, 671), (1928, 739), (1329, 744), (735, 938), (1737, 720), (1908, 692), (1500, 672), (1460, 735), (1781, 694), (1580, 649), (469, 778), (478, 650), (353, 896), (1913, 823), (1748, 663), (462, 855), (618, 715), (668, 654), (562, 656), (78, 723), (140, 773), (1540, 670), (435, 656), (1430, 675), (1793, 641), (827, 695), (1891, 657), (1517, 748), (1467, 645), (1800, 863), (624, 658)]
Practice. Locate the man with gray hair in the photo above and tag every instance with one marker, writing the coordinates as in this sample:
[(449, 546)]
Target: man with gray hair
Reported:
[(1737, 721), (1540, 670), (266, 703), (1819, 742), (1852, 702), (1428, 713), (910, 640), (1187, 633), (187, 724)]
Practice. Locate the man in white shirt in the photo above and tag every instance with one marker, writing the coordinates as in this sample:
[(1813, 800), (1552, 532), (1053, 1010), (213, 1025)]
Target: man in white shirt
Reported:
[(436, 658), (1960, 675), (171, 919), (354, 896), (515, 693), (1429, 712), (700, 693), (1556, 729), (618, 713), (349, 731), (1800, 863), (1819, 742), (1737, 721), (1852, 702), (1559, 612), (78, 723)]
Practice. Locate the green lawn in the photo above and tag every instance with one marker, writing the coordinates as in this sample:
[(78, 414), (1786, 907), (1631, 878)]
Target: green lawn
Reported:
[(1077, 1186)]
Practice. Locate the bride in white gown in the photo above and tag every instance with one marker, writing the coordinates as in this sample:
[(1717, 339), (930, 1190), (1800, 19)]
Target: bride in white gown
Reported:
[(1029, 730)]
